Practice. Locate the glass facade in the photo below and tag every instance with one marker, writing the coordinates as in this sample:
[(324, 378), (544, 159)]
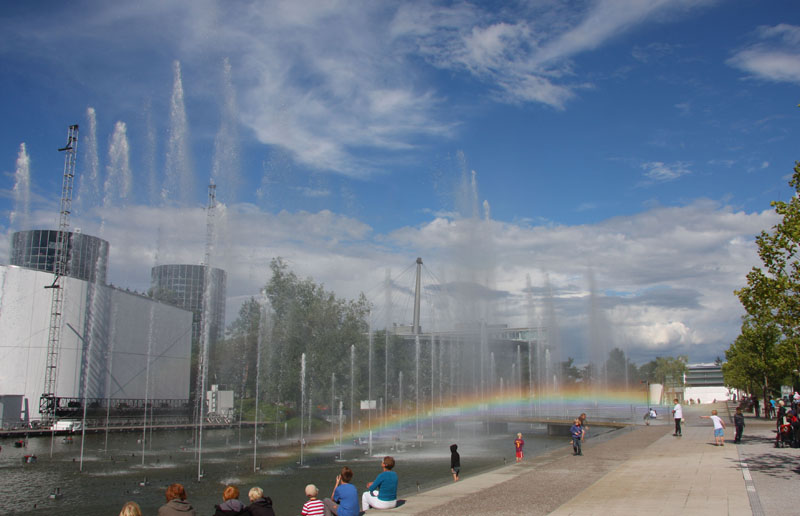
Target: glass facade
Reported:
[(184, 286), (36, 249)]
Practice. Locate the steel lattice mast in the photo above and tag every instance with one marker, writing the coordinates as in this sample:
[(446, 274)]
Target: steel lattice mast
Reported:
[(48, 401)]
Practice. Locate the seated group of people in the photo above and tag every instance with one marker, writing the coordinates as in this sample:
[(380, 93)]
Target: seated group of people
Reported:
[(380, 494)]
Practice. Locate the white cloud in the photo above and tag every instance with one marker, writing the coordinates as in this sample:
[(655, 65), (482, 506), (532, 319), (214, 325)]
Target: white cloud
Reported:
[(659, 171), (665, 277), (775, 58)]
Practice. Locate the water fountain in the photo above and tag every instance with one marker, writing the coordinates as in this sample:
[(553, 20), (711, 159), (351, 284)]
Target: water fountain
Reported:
[(467, 369)]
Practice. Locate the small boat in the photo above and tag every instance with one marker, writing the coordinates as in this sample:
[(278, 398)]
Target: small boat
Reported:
[(55, 494), (19, 444), (144, 482), (67, 439), (29, 459)]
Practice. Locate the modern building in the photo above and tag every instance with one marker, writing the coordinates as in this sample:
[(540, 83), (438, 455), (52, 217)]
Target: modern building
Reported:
[(184, 286), (704, 382), (114, 345), (36, 249)]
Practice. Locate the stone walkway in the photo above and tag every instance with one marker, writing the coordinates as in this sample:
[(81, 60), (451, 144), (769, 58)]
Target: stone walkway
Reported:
[(641, 470)]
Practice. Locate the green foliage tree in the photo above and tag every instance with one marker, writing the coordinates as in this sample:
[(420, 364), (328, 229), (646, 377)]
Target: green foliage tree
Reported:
[(772, 295), (754, 360), (308, 319)]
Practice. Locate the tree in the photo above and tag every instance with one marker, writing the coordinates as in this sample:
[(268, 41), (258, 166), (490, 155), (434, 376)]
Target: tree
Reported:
[(772, 294), (753, 360), (569, 373), (308, 319)]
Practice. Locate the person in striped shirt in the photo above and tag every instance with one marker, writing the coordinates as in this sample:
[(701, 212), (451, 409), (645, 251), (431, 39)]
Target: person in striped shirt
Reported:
[(313, 507)]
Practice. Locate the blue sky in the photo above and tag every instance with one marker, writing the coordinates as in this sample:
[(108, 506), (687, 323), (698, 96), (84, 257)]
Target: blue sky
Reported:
[(627, 151)]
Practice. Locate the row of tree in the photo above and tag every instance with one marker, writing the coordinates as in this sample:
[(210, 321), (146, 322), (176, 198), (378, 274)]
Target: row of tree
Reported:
[(766, 354)]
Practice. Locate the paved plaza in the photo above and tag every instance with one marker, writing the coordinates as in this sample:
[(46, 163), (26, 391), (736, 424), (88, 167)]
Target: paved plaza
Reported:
[(642, 469)]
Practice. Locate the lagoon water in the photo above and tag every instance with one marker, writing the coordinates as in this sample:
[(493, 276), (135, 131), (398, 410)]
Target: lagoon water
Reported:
[(109, 480)]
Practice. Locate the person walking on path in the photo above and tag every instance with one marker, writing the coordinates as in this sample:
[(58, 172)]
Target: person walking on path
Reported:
[(738, 423), (677, 414), (386, 486), (344, 500), (455, 462), (576, 431), (519, 444), (719, 428)]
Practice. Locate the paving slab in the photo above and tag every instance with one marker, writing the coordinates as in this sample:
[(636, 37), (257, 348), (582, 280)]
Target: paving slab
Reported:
[(637, 470)]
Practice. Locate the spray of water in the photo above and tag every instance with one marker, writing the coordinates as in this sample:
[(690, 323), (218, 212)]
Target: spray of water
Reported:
[(89, 182), (178, 183), (20, 217)]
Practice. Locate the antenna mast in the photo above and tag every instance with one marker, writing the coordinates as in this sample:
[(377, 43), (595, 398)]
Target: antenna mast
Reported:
[(48, 401)]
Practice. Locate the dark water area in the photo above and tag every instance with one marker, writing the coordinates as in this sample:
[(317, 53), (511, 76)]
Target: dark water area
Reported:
[(109, 480)]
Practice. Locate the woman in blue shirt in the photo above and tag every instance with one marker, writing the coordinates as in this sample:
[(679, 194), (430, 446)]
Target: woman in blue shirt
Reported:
[(382, 492)]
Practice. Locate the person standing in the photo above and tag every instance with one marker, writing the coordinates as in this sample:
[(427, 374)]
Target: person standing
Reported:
[(519, 444), (677, 414), (576, 431), (344, 500), (719, 428), (455, 462), (738, 423), (584, 426)]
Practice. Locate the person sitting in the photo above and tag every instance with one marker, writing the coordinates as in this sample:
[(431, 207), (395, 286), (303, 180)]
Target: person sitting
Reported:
[(176, 503), (230, 506), (260, 505), (314, 506), (386, 486), (344, 500), (130, 509)]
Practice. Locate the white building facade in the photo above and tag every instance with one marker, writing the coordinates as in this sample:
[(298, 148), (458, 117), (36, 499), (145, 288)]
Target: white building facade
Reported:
[(114, 344)]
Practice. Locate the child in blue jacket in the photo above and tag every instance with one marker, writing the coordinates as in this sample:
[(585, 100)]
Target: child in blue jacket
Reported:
[(577, 436)]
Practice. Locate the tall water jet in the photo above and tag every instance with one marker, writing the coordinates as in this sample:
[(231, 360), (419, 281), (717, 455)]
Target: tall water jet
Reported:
[(302, 401), (388, 311), (205, 322), (89, 181), (400, 392), (352, 384), (178, 176), (416, 381), (20, 217), (262, 331), (225, 163), (369, 379), (119, 179)]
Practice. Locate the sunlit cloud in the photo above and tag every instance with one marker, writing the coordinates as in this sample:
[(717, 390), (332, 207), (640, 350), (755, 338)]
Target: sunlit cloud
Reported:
[(775, 57)]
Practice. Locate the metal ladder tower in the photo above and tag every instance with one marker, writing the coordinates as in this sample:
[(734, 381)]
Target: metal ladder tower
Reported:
[(48, 401)]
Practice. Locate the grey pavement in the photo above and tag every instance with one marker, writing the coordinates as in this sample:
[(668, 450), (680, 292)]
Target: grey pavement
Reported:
[(640, 470)]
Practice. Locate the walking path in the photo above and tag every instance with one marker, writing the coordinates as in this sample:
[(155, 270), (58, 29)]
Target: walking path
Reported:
[(643, 469)]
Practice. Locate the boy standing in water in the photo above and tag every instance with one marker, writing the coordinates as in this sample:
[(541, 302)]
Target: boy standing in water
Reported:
[(518, 445), (455, 462)]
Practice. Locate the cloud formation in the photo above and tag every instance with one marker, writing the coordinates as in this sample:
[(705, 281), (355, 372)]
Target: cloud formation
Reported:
[(774, 57)]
